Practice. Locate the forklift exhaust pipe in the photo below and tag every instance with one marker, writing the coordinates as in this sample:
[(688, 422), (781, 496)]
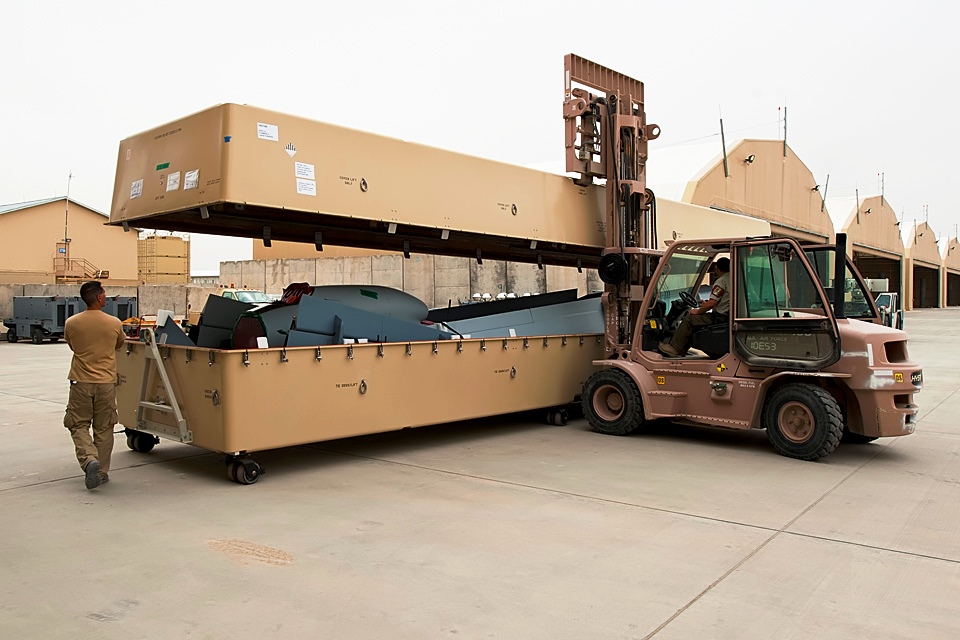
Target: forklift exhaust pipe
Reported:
[(840, 276)]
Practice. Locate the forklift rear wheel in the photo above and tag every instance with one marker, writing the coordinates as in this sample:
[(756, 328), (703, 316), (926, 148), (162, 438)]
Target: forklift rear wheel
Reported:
[(37, 336), (611, 403), (803, 421), (142, 442), (11, 335), (247, 471)]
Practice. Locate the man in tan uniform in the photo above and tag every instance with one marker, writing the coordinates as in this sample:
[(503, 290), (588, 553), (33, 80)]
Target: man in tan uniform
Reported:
[(94, 338), (719, 303)]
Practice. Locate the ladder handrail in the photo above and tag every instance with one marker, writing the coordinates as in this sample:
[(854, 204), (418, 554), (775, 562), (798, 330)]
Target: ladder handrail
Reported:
[(152, 352)]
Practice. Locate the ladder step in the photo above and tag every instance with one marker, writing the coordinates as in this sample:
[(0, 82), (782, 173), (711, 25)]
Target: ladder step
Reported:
[(157, 406)]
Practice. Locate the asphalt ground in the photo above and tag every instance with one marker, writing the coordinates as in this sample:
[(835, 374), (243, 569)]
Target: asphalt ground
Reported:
[(499, 528)]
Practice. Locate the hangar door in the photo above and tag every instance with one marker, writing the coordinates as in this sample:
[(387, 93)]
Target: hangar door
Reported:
[(926, 287), (953, 289), (873, 266)]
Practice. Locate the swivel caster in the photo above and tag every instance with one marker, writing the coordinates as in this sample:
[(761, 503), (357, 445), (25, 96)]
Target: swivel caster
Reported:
[(243, 470), (557, 417), (141, 442)]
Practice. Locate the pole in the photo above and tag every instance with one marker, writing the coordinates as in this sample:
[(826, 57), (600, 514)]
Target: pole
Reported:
[(723, 142), (784, 131), (826, 187), (66, 212)]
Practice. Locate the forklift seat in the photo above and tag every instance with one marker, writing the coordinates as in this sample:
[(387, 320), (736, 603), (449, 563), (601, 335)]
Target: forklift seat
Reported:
[(712, 340)]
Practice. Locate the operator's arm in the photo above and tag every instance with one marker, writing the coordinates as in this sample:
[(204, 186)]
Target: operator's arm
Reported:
[(716, 294), (704, 307)]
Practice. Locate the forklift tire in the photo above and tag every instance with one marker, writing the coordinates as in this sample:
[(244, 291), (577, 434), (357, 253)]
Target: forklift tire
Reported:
[(803, 421), (611, 403), (37, 336), (11, 335)]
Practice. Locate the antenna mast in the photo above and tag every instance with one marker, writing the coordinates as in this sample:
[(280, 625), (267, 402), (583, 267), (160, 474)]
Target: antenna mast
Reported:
[(66, 211)]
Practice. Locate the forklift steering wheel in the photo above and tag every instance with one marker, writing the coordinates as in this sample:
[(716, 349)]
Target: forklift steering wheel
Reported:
[(687, 298)]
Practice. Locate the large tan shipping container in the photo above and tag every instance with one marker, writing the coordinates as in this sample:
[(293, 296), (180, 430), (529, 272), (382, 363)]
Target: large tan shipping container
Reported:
[(244, 171)]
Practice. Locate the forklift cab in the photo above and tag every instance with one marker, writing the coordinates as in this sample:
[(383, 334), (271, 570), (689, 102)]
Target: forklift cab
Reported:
[(780, 315)]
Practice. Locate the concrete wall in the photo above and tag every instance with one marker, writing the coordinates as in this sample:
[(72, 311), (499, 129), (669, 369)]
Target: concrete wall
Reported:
[(179, 298), (437, 280)]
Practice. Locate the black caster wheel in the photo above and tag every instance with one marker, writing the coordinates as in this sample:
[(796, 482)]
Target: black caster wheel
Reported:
[(142, 442), (247, 471), (231, 466)]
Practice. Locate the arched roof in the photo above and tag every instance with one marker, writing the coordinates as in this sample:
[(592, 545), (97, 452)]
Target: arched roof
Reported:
[(766, 180), (921, 245), (872, 227), (951, 258)]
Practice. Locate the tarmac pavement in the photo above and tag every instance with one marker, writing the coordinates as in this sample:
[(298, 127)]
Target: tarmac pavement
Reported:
[(499, 528)]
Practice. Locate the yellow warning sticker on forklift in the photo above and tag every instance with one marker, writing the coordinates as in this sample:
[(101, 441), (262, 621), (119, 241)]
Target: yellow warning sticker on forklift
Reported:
[(898, 377), (721, 367), (661, 379)]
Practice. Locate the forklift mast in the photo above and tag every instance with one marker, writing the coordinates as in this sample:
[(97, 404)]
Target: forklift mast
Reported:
[(606, 139)]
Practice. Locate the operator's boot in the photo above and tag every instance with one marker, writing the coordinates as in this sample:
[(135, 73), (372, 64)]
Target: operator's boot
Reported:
[(668, 349)]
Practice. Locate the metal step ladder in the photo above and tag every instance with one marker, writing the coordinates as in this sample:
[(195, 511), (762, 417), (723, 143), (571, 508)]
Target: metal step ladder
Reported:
[(153, 363)]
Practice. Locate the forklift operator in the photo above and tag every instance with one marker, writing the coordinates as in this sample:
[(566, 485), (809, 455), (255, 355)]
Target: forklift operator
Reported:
[(719, 303)]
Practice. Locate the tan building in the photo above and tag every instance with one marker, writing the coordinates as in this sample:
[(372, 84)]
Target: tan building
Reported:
[(873, 240), (764, 179), (951, 274), (922, 276), (32, 247)]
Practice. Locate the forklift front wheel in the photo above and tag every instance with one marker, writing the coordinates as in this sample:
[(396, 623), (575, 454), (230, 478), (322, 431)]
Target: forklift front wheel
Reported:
[(803, 421), (611, 403)]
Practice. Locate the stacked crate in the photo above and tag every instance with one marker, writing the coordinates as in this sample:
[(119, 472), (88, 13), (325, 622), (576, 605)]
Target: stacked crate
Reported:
[(163, 260)]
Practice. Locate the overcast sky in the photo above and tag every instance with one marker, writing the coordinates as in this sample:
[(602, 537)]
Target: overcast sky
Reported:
[(870, 87)]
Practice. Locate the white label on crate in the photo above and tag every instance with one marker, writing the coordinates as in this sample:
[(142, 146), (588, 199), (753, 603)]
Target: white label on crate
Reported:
[(268, 131), (136, 189), (173, 181), (304, 170), (191, 179), (306, 187)]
